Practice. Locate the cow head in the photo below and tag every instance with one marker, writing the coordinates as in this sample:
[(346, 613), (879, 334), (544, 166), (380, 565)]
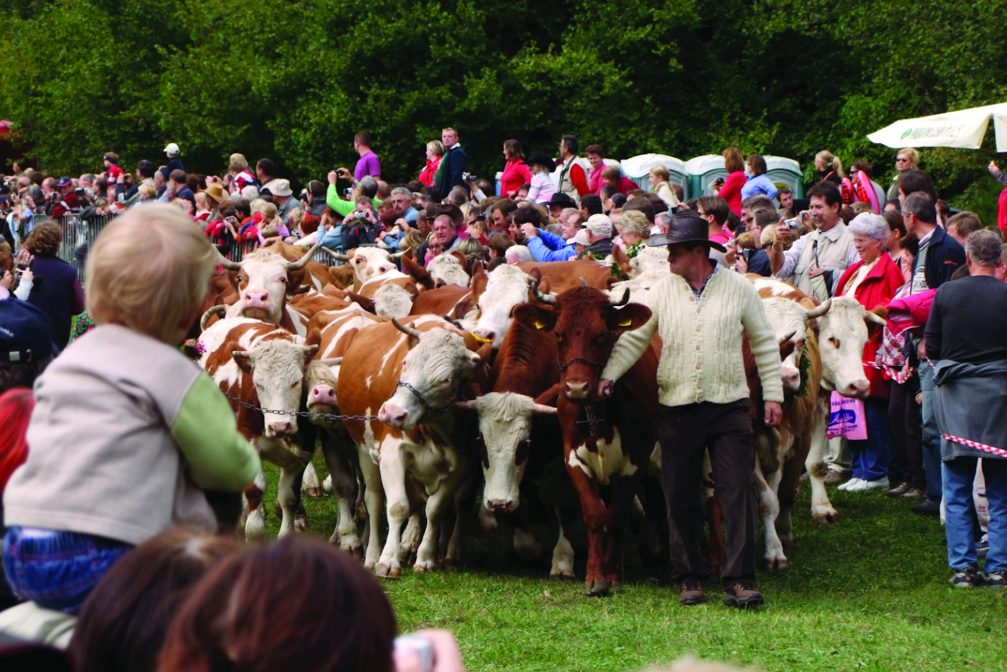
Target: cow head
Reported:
[(505, 421), (264, 279), (366, 262), (431, 375), (790, 322), (506, 287), (277, 369), (447, 269), (321, 381), (586, 325), (842, 334)]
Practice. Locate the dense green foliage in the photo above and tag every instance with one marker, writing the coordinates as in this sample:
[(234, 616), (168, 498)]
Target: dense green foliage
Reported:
[(294, 80), (868, 593)]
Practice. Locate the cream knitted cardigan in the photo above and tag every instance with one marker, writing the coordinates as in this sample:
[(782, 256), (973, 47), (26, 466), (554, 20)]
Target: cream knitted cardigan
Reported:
[(701, 342)]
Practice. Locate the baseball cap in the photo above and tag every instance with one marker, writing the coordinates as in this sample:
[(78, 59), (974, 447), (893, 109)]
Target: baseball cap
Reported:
[(600, 226), (172, 149), (580, 238), (25, 332)]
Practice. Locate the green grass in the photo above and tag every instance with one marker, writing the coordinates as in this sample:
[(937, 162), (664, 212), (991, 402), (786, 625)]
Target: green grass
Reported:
[(868, 593)]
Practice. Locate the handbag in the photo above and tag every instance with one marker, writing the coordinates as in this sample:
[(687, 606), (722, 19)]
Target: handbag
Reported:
[(846, 418)]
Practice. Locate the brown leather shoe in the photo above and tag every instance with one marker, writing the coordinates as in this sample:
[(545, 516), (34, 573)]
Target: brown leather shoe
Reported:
[(691, 593), (743, 596)]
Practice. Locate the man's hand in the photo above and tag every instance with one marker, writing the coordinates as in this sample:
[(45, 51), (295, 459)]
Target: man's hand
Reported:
[(815, 271), (774, 413), (605, 388), (529, 230), (332, 176)]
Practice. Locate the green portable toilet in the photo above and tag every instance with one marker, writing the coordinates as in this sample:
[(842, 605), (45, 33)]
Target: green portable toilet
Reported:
[(701, 171), (637, 168), (785, 172)]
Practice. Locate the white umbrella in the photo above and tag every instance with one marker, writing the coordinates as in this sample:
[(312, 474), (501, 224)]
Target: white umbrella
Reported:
[(963, 128)]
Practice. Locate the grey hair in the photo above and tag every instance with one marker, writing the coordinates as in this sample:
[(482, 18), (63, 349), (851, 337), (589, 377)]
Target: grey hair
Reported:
[(401, 191), (870, 226), (368, 187), (634, 221), (984, 248)]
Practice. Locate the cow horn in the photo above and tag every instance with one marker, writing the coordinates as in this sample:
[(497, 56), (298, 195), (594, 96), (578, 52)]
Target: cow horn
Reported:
[(210, 312), (227, 263), (336, 255), (405, 329), (543, 409), (469, 404), (875, 318), (299, 264), (543, 298), (394, 255), (335, 361), (624, 300), (819, 311), (583, 282)]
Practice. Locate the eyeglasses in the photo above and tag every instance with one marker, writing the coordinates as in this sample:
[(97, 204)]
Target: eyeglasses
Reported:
[(902, 159)]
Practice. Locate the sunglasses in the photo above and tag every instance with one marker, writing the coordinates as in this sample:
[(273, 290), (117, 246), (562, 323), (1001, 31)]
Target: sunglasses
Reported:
[(902, 159)]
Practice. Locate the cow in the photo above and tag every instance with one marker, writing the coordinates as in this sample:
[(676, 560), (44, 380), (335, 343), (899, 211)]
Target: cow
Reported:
[(260, 368), (332, 332), (822, 350), (403, 378), (366, 262), (265, 279), (496, 295), (450, 301), (607, 443), (517, 431), (564, 275)]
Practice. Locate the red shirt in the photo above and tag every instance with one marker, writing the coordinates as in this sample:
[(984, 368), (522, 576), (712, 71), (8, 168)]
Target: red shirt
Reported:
[(731, 191), (515, 175), (114, 174)]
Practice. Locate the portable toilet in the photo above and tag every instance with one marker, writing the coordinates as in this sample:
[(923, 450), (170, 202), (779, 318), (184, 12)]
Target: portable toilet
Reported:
[(701, 171), (637, 168), (785, 172)]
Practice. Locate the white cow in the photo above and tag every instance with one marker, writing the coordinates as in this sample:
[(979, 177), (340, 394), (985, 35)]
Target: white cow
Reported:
[(265, 280)]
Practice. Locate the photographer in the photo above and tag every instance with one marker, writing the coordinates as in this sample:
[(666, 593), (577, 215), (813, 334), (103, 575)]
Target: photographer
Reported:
[(361, 226)]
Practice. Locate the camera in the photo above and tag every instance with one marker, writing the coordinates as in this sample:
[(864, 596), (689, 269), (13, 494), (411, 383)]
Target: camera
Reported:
[(793, 223), (360, 215), (468, 177)]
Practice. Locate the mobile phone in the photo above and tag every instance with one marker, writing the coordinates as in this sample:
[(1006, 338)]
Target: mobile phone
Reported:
[(419, 651)]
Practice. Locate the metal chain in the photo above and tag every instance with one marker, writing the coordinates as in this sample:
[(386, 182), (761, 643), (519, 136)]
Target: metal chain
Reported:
[(331, 417)]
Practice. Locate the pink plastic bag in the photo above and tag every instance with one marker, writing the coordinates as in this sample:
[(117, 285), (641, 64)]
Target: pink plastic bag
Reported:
[(846, 418)]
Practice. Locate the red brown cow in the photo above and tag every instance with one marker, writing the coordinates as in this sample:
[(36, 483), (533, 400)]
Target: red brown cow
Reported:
[(408, 375), (607, 443), (564, 275)]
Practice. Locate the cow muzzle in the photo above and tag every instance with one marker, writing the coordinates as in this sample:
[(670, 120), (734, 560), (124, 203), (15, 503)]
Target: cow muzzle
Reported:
[(393, 415), (322, 394), (791, 378), (501, 505), (576, 389), (256, 299), (281, 427), (857, 389)]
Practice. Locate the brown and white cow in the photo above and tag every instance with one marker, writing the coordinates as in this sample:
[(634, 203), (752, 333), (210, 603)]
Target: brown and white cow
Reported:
[(265, 279), (822, 348), (506, 287), (260, 367), (366, 262), (607, 443), (564, 275), (406, 376)]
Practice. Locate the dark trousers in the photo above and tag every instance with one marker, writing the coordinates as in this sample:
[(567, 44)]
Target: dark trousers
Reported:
[(686, 432), (907, 427)]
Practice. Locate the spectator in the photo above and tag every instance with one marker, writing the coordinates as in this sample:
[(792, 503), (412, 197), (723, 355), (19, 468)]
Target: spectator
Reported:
[(714, 210), (454, 164), (758, 182), (435, 151), (962, 225), (56, 291), (444, 238), (872, 281), (966, 338), (241, 174), (660, 184), (402, 200), (598, 232), (829, 168), (515, 172), (542, 187), (126, 399), (612, 176), (1001, 177), (572, 178), (173, 153), (634, 229), (596, 158), (730, 190), (517, 254), (590, 204), (123, 623), (265, 173), (368, 164), (560, 202), (905, 159), (816, 260), (112, 170), (865, 189)]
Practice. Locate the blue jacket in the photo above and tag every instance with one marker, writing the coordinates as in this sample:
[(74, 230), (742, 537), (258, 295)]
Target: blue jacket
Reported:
[(454, 163), (944, 256), (550, 247), (759, 184)]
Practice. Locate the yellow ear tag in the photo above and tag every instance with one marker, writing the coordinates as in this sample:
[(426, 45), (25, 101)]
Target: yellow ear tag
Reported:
[(626, 323), (538, 325)]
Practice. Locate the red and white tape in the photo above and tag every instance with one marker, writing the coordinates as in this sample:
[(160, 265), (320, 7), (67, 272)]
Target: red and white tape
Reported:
[(999, 452)]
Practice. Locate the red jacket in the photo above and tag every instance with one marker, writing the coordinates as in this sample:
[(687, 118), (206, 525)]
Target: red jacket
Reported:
[(876, 290), (515, 175)]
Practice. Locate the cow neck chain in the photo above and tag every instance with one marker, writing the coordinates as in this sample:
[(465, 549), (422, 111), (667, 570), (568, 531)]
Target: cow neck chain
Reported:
[(331, 417), (419, 397), (595, 422)]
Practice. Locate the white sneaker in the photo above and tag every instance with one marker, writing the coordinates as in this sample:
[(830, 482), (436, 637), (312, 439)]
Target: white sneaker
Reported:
[(876, 485), (851, 485)]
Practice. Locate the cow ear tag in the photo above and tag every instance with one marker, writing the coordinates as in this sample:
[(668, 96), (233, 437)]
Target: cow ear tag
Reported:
[(538, 324), (626, 323)]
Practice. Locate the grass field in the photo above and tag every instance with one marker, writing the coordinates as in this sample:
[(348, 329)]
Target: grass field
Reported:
[(868, 593)]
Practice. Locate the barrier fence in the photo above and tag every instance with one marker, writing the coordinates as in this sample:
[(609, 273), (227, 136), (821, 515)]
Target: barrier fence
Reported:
[(79, 236)]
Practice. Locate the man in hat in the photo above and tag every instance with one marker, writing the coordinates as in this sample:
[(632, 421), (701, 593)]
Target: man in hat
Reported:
[(700, 310), (67, 201), (560, 202), (599, 236), (172, 151), (283, 198)]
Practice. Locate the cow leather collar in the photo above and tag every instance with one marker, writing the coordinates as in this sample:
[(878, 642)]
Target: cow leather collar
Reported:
[(563, 366)]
